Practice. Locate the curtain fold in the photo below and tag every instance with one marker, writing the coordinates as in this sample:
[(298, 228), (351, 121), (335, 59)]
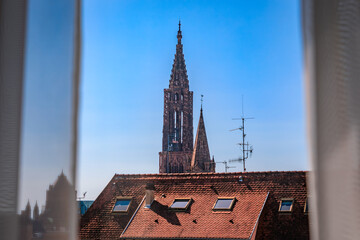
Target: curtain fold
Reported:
[(332, 69)]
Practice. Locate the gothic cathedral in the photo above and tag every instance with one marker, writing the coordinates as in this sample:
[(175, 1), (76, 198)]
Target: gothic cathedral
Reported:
[(178, 153)]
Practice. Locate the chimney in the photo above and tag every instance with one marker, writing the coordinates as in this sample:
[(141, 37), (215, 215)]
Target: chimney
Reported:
[(149, 194)]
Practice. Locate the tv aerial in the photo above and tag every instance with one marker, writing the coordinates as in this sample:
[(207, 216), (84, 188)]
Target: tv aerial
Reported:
[(226, 165), (245, 147)]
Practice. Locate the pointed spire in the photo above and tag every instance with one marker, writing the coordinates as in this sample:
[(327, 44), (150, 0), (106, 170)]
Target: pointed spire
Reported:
[(28, 205), (179, 76), (201, 161), (27, 211), (36, 211)]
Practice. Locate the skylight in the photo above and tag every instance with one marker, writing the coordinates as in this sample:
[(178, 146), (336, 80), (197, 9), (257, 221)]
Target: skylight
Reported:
[(122, 205), (224, 204), (180, 204), (286, 205)]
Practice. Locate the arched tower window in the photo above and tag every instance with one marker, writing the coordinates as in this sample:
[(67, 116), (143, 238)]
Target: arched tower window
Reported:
[(175, 127), (181, 125), (176, 97), (182, 97)]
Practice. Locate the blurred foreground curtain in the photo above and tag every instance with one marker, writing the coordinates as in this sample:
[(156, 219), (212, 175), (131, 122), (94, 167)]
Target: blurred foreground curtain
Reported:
[(12, 32), (332, 76), (39, 85)]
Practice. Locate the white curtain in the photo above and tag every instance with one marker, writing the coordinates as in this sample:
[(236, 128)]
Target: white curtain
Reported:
[(332, 76), (39, 70)]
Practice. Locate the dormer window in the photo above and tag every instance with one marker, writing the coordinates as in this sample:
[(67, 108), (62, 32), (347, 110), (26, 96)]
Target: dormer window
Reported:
[(286, 205), (224, 204), (122, 205), (180, 204)]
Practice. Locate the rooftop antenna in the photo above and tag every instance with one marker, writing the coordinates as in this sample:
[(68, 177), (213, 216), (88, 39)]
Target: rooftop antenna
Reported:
[(246, 148), (226, 165)]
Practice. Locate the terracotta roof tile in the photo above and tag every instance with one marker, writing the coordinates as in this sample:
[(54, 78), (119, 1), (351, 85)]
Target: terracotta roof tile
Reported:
[(159, 222), (204, 188)]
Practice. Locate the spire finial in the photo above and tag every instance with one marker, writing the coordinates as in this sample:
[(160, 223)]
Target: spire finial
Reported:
[(201, 101), (179, 36)]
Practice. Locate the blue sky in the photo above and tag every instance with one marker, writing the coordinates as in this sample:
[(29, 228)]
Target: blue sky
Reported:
[(231, 48)]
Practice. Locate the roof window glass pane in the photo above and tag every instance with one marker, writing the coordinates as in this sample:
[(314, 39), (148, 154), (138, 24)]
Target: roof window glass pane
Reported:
[(121, 205), (286, 205), (180, 203), (224, 203)]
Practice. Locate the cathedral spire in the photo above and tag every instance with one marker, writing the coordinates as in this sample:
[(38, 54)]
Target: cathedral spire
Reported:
[(201, 161), (179, 76), (178, 136)]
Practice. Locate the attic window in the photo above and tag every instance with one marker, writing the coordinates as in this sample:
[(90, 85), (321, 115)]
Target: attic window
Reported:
[(121, 205), (286, 205), (224, 204), (180, 204)]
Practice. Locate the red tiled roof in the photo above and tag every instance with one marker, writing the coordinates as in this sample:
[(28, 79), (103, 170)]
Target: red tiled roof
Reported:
[(200, 221), (204, 188)]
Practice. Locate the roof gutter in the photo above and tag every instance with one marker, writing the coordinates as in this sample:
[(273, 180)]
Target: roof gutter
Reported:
[(257, 221), (132, 217)]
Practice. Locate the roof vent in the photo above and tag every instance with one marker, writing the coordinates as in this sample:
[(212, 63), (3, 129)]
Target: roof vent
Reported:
[(241, 179)]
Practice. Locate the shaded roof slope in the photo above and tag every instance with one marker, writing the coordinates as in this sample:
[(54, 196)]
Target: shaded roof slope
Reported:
[(196, 222)]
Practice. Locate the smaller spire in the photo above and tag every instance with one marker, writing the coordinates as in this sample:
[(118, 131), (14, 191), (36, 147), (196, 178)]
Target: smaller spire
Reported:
[(179, 25)]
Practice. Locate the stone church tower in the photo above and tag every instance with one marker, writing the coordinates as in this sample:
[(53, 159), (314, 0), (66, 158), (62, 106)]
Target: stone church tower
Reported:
[(177, 154)]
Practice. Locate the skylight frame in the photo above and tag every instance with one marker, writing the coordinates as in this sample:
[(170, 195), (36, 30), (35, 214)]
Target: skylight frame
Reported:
[(124, 199), (224, 209), (306, 207), (180, 208), (286, 200)]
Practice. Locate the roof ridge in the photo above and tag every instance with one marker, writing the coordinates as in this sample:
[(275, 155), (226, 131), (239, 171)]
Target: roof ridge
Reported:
[(145, 175)]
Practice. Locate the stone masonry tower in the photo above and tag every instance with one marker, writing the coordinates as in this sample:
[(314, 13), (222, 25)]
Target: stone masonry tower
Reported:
[(178, 155), (177, 141)]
